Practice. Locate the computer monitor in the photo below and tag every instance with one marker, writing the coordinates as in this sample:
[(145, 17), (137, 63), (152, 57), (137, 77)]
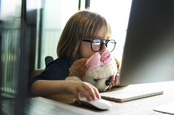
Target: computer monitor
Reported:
[(148, 54)]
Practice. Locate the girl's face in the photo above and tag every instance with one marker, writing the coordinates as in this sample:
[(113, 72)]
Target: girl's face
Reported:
[(85, 47)]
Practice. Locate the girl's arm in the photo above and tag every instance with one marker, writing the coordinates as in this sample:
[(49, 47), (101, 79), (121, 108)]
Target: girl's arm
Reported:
[(52, 87)]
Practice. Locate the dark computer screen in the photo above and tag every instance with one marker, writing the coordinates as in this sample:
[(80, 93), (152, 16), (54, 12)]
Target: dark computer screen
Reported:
[(149, 48)]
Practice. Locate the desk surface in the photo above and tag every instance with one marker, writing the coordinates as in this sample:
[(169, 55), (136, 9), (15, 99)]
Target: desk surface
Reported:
[(63, 104), (140, 106)]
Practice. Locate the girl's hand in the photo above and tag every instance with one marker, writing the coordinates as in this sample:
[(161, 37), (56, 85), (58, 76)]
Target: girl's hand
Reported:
[(82, 89), (113, 81)]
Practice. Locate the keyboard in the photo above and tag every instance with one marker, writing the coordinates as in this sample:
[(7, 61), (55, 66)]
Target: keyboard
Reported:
[(130, 93)]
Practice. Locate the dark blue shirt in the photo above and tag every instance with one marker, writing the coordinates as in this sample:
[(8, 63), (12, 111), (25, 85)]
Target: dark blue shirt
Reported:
[(55, 70)]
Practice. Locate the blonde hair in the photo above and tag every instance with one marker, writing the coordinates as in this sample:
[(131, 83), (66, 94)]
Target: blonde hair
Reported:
[(82, 25)]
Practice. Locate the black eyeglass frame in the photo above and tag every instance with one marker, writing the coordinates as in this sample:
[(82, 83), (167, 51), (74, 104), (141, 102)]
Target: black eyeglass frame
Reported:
[(102, 43)]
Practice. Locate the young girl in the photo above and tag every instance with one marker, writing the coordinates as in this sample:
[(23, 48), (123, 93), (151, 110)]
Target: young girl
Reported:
[(84, 34)]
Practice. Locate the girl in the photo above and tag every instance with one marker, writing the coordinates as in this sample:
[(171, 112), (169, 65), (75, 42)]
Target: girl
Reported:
[(84, 34)]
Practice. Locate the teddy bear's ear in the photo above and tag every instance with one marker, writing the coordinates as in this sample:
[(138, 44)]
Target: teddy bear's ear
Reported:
[(118, 64), (78, 68)]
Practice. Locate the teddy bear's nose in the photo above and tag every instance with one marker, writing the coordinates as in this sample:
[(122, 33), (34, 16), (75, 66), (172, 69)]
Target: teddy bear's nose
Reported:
[(107, 82)]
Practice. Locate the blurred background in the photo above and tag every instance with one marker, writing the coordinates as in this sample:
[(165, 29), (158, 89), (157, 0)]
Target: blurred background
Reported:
[(30, 31)]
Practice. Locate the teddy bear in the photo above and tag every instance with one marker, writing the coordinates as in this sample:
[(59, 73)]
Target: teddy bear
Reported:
[(96, 70)]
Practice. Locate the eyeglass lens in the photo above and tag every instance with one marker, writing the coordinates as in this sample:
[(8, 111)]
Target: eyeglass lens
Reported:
[(97, 45), (111, 45)]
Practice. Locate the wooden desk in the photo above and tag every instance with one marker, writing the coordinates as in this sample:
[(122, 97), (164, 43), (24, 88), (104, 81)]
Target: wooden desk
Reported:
[(142, 106), (63, 104)]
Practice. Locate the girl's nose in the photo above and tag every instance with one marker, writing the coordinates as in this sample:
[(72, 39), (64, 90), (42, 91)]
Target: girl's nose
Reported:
[(104, 49)]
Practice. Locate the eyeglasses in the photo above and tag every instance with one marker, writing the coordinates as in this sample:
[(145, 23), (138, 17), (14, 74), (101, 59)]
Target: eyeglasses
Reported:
[(97, 44)]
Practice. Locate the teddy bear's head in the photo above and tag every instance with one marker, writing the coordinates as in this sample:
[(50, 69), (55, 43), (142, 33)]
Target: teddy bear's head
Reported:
[(97, 70)]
